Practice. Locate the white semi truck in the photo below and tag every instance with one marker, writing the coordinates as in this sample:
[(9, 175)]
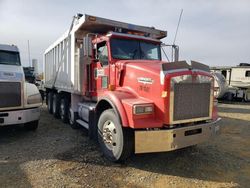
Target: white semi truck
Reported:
[(19, 100)]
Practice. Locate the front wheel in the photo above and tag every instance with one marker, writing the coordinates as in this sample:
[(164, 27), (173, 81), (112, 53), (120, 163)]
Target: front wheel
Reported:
[(116, 143)]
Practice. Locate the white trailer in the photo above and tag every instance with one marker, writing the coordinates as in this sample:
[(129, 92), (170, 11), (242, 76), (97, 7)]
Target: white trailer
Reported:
[(238, 79)]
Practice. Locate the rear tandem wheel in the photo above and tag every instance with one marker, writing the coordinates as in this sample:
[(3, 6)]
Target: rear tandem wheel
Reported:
[(50, 102), (64, 109)]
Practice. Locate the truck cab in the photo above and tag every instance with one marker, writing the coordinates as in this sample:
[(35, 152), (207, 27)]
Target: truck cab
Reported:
[(19, 101), (109, 77), (115, 50)]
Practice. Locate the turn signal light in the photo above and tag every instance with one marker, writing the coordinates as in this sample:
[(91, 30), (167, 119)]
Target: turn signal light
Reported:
[(111, 87), (164, 94)]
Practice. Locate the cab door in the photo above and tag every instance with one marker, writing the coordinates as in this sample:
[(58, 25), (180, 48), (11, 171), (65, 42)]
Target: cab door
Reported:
[(101, 68)]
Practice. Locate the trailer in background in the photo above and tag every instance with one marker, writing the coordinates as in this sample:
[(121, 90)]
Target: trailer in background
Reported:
[(238, 79)]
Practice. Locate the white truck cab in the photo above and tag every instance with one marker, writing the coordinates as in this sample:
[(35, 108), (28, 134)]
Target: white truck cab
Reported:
[(19, 100)]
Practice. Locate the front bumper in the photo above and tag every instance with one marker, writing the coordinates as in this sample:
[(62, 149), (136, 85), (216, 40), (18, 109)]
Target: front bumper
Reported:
[(172, 139), (19, 116)]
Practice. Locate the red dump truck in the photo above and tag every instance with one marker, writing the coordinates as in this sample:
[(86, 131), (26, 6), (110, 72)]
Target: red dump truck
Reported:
[(109, 77)]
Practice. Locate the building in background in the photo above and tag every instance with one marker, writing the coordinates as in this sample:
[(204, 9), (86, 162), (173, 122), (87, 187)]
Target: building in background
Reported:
[(35, 65)]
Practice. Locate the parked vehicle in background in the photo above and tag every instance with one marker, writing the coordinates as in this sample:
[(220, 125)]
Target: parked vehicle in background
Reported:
[(19, 100), (29, 74), (238, 79), (220, 85), (40, 86), (109, 77), (32, 78)]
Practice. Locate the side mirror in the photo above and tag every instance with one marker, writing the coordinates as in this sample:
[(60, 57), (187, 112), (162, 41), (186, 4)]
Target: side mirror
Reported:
[(87, 47), (175, 52)]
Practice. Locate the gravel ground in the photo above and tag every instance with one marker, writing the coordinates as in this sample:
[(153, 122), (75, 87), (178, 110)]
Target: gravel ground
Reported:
[(57, 156)]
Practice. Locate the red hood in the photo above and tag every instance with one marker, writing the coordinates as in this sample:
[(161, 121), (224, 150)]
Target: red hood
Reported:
[(150, 66)]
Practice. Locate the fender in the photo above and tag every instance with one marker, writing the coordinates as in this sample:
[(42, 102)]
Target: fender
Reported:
[(114, 99)]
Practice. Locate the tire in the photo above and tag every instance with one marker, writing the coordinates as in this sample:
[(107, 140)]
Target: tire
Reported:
[(72, 117), (229, 96), (31, 126), (56, 105), (50, 102), (245, 98), (116, 143), (64, 110)]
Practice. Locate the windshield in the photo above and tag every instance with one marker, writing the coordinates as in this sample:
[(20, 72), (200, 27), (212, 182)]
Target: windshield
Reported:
[(9, 58), (134, 49)]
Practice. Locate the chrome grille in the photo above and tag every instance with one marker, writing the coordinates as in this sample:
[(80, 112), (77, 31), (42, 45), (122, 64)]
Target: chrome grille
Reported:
[(191, 100), (10, 94)]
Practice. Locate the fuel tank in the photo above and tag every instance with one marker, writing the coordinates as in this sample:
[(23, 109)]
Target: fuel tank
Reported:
[(220, 85)]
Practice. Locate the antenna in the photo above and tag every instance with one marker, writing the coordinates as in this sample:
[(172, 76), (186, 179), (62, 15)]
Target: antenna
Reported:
[(175, 48), (176, 32)]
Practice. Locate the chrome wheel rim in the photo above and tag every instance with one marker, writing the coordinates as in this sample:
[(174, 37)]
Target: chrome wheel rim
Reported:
[(109, 134)]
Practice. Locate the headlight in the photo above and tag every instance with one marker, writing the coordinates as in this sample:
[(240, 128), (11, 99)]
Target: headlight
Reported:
[(34, 99), (143, 109)]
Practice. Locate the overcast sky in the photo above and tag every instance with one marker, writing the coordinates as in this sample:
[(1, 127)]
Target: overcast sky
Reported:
[(214, 32)]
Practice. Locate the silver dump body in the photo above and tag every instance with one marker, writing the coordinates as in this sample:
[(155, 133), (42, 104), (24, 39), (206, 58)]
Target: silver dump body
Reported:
[(63, 69)]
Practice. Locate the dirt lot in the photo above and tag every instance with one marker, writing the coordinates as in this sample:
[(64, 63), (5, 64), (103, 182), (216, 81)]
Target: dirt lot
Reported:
[(57, 156)]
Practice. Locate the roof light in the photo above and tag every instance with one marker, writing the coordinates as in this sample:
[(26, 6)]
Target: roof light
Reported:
[(92, 18), (136, 33)]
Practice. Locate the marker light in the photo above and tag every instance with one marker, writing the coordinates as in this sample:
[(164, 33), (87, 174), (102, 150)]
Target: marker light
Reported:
[(92, 18)]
